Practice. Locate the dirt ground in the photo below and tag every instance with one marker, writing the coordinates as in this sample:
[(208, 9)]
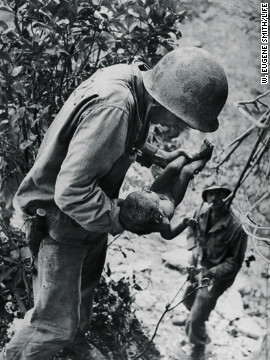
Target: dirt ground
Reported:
[(225, 30)]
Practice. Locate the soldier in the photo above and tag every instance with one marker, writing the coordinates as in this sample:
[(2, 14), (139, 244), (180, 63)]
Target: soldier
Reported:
[(218, 246), (76, 179)]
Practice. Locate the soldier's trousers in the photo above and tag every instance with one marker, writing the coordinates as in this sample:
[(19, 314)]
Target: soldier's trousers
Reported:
[(201, 303), (63, 291)]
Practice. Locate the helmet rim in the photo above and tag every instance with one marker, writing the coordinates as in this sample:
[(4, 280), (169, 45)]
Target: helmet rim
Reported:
[(224, 187), (182, 96)]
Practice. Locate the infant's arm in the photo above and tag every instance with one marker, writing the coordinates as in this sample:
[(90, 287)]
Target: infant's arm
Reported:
[(170, 231)]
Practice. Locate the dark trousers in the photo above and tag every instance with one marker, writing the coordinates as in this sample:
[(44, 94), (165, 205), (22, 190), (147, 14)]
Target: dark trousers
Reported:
[(64, 292), (201, 303)]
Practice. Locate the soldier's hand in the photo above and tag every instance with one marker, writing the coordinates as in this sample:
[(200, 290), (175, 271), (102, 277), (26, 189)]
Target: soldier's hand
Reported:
[(168, 156)]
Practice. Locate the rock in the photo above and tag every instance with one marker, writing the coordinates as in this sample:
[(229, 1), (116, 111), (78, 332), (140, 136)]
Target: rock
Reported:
[(180, 320), (250, 345), (129, 269), (96, 354), (249, 327), (178, 258), (262, 322), (230, 305), (242, 284), (263, 351), (145, 300), (180, 240), (142, 265)]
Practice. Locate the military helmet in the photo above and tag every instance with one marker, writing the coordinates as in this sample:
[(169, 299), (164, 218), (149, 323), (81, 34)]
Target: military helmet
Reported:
[(190, 83), (225, 187)]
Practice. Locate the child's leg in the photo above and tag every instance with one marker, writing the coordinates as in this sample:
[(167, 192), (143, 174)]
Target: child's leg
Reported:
[(205, 151), (179, 188), (165, 180)]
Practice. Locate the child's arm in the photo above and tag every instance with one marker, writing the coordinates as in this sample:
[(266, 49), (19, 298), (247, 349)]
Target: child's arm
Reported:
[(170, 231)]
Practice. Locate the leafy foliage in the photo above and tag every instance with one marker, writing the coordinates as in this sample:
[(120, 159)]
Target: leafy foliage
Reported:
[(15, 279), (115, 330), (48, 47), (122, 336)]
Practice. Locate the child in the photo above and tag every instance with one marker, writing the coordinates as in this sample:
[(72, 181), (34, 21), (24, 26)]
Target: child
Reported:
[(144, 212)]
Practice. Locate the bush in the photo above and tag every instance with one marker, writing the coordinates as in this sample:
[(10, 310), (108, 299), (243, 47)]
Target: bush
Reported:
[(47, 48)]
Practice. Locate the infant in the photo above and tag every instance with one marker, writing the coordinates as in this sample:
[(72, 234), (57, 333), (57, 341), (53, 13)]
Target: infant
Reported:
[(147, 211)]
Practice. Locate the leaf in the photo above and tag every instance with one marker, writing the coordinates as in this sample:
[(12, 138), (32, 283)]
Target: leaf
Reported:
[(19, 300), (8, 260), (108, 272), (130, 249), (137, 287), (4, 56), (134, 25), (25, 252), (15, 254), (16, 71), (19, 114), (142, 12), (52, 51), (7, 274), (3, 25), (62, 22), (25, 144), (6, 9), (129, 19), (46, 13)]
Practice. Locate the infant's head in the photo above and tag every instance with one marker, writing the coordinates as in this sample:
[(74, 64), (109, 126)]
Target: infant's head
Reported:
[(139, 209)]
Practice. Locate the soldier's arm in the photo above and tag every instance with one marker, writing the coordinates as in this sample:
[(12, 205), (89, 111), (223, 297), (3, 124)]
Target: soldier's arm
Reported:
[(98, 142)]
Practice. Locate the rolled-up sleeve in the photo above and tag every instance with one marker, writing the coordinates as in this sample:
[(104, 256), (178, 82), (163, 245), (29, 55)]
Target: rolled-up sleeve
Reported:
[(97, 143)]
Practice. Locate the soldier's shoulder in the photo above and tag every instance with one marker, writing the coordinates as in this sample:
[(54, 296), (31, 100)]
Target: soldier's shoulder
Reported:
[(236, 224)]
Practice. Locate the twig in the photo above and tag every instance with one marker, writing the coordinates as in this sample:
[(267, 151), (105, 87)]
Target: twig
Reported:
[(114, 239), (238, 140), (253, 100), (256, 247), (246, 167), (257, 123), (267, 240), (167, 309), (262, 151), (253, 224)]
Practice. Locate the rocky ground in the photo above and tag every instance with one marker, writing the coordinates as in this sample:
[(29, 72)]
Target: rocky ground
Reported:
[(236, 326)]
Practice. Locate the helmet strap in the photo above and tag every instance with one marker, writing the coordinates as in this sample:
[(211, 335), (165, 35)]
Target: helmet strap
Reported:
[(150, 103)]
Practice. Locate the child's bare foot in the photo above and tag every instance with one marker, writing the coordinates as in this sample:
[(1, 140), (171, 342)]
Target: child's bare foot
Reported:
[(197, 165), (205, 151)]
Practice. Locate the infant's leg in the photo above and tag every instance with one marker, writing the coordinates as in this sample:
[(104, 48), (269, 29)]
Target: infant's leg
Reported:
[(205, 151), (179, 188), (165, 180)]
